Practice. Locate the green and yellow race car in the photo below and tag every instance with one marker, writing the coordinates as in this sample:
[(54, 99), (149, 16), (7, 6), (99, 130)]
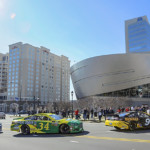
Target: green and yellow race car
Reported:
[(46, 123), (129, 120)]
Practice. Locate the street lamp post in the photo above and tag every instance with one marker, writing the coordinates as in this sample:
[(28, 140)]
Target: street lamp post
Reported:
[(34, 104), (20, 99), (36, 100), (72, 103)]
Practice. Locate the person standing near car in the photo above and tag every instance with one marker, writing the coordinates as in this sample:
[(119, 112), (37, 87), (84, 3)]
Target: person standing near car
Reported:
[(77, 113), (92, 112), (95, 112), (88, 114), (148, 111), (99, 114), (84, 113)]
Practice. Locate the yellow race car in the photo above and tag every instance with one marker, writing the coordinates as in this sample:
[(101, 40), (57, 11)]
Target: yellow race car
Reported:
[(128, 120), (46, 123)]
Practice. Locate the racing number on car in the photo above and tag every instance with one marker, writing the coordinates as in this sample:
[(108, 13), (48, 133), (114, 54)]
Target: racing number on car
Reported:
[(46, 127), (41, 126), (147, 122)]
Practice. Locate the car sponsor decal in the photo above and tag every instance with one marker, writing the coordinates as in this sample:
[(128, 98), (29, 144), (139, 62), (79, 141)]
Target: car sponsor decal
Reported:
[(131, 119), (54, 123), (26, 122)]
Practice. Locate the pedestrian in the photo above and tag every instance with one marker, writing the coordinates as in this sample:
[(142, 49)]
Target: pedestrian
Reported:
[(132, 108), (68, 113), (127, 109), (111, 111), (57, 112), (92, 112), (119, 110), (95, 112), (87, 114), (84, 113), (105, 113), (77, 114), (63, 113), (148, 111), (122, 109), (99, 115)]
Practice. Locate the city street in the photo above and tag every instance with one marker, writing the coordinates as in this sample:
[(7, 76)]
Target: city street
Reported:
[(96, 136)]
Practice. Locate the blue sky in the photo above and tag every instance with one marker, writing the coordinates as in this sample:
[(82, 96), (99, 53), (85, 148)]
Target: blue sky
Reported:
[(75, 28)]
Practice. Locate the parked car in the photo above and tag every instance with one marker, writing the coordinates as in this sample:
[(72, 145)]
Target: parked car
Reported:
[(2, 115), (0, 127)]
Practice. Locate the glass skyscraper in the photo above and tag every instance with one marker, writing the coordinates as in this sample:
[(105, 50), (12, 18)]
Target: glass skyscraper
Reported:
[(137, 32)]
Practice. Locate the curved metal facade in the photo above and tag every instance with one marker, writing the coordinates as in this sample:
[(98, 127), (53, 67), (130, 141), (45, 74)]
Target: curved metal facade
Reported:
[(104, 74)]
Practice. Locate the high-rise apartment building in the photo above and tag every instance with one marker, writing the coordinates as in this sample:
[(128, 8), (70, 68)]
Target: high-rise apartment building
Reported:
[(137, 35), (3, 75), (36, 72)]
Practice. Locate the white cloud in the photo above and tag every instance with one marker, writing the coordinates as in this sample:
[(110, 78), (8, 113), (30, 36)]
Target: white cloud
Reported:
[(13, 15)]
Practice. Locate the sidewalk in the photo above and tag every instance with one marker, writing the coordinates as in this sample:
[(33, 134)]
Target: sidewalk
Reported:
[(93, 120)]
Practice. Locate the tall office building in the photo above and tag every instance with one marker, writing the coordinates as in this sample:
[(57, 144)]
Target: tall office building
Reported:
[(36, 72), (137, 35), (3, 75)]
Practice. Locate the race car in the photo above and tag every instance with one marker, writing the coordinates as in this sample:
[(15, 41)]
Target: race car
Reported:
[(128, 120), (46, 123)]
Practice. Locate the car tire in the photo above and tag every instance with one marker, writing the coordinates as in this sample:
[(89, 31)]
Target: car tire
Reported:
[(64, 129), (25, 129), (132, 126)]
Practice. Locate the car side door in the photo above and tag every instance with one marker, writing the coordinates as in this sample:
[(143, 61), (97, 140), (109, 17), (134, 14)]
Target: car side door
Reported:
[(144, 119), (43, 124)]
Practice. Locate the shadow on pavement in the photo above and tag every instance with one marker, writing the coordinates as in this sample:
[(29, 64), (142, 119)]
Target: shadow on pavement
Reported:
[(50, 135), (137, 131)]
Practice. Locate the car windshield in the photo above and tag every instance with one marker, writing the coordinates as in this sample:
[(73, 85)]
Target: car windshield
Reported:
[(56, 117), (123, 114)]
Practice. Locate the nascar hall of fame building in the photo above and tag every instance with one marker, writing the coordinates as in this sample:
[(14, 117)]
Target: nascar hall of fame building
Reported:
[(118, 75)]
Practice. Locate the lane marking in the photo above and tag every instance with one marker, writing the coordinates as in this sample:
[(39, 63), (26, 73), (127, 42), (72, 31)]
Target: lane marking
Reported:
[(115, 139), (74, 141)]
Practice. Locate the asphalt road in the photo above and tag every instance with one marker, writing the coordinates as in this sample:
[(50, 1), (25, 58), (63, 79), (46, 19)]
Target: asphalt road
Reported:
[(95, 137)]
